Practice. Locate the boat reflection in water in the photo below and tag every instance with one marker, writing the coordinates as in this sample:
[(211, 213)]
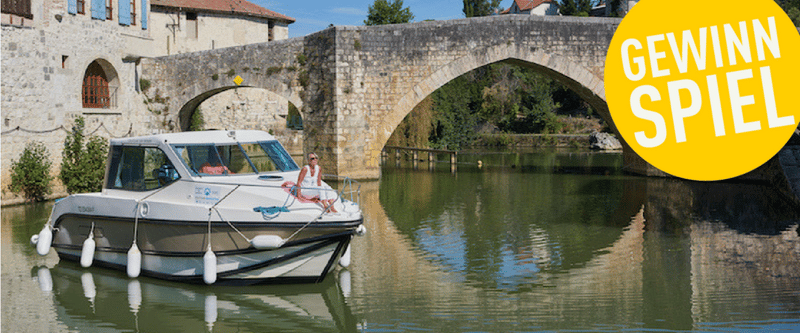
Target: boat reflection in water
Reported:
[(92, 298)]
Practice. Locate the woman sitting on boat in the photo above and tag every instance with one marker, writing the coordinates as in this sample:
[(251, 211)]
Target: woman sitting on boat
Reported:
[(312, 184)]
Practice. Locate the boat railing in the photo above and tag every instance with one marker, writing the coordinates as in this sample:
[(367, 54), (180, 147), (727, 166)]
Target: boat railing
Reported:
[(347, 188)]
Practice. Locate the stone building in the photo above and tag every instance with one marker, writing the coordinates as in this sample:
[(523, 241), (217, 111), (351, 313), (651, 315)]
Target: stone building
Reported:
[(67, 58), (192, 25), (533, 7)]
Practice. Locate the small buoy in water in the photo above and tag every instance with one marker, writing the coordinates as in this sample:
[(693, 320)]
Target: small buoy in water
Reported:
[(87, 252), (480, 164), (45, 238), (209, 267), (344, 260), (134, 261), (361, 230), (34, 240), (267, 241)]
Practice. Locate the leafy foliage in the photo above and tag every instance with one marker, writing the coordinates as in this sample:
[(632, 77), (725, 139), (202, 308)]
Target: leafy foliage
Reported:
[(475, 8), (499, 97), (31, 173), (294, 120), (197, 122), (794, 14), (83, 166), (575, 7), (382, 12)]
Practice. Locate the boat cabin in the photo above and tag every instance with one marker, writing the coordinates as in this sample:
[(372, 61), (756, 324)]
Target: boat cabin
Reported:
[(151, 162)]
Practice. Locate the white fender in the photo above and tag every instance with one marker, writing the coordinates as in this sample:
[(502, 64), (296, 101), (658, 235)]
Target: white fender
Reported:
[(361, 230), (267, 241), (344, 260), (134, 261), (45, 238), (87, 252), (209, 267), (34, 240)]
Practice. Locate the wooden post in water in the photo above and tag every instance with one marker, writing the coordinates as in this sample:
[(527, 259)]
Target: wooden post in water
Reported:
[(430, 161)]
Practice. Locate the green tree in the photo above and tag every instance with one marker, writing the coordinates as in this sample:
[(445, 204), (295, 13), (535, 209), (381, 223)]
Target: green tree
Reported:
[(794, 14), (575, 7), (31, 173), (456, 104), (475, 8), (384, 12), (83, 166), (197, 122)]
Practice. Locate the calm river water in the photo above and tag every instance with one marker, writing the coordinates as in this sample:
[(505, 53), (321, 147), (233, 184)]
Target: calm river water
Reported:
[(538, 241)]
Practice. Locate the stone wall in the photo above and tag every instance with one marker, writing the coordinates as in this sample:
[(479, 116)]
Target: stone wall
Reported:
[(42, 73)]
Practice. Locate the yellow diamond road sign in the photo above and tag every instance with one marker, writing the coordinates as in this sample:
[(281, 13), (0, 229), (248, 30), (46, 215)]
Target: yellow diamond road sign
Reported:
[(238, 80)]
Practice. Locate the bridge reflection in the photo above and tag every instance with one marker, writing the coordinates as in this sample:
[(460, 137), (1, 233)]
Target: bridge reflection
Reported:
[(666, 267)]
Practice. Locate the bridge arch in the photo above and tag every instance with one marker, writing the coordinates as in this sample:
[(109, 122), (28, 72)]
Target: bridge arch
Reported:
[(188, 108), (560, 68)]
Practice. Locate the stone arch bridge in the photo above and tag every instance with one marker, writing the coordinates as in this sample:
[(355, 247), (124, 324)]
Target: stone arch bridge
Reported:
[(354, 85)]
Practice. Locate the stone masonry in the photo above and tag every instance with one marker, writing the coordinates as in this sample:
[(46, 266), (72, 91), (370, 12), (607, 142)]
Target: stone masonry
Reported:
[(354, 85)]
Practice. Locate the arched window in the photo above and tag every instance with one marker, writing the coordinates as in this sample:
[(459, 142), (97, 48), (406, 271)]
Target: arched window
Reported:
[(95, 87)]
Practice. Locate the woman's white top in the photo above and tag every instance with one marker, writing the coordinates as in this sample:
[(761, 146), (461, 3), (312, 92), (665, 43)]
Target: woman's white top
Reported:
[(310, 188)]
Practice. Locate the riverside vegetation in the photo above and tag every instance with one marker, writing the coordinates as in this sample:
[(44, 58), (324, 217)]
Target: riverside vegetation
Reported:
[(82, 166)]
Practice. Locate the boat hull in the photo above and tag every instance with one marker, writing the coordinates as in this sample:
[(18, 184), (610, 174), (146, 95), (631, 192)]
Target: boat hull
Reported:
[(173, 250)]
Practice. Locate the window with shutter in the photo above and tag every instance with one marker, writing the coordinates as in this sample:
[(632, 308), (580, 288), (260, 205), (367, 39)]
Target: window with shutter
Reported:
[(18, 7), (95, 92)]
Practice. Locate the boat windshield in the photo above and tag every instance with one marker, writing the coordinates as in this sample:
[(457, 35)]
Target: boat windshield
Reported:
[(238, 159)]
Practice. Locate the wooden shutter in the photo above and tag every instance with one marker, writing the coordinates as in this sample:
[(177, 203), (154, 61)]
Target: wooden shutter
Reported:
[(144, 14), (124, 12), (99, 9), (72, 6)]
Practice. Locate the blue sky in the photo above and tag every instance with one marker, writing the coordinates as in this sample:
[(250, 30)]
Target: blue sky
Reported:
[(316, 15)]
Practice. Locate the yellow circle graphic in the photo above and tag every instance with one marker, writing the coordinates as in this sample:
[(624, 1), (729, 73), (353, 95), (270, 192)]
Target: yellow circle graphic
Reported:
[(705, 90)]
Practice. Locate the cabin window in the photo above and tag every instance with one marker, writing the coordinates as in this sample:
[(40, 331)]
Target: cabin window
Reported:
[(245, 158), (139, 169), (282, 160)]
